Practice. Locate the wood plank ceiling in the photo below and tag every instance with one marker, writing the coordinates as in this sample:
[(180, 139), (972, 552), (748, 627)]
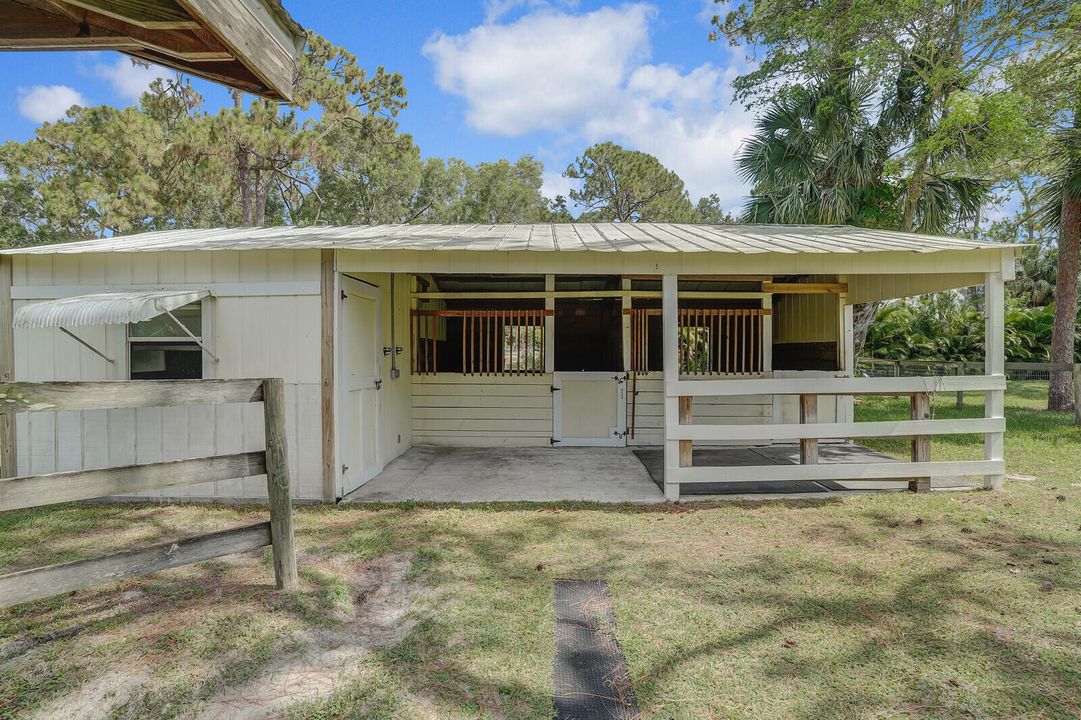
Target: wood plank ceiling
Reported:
[(250, 45)]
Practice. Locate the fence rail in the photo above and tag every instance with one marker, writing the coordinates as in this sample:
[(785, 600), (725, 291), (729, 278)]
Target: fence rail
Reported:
[(879, 367), (40, 490), (921, 427)]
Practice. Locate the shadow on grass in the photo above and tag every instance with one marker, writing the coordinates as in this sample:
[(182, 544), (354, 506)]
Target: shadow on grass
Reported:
[(940, 618), (912, 611)]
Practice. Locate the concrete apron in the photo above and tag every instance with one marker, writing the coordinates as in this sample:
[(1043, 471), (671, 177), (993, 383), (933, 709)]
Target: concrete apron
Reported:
[(451, 474), (593, 474)]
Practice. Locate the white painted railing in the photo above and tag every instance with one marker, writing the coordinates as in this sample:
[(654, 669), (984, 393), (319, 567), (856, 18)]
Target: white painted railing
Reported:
[(681, 433)]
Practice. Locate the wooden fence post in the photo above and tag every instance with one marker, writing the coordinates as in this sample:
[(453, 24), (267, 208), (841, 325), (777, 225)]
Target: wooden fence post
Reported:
[(277, 479), (960, 370), (8, 454), (808, 413), (920, 409), (1077, 393), (686, 415)]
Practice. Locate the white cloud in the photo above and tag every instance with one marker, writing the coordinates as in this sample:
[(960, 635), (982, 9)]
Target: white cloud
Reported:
[(129, 80), (587, 77), (553, 184), (544, 71), (47, 103), (496, 10)]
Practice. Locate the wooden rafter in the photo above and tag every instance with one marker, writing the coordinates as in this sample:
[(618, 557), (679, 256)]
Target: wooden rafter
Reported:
[(241, 43)]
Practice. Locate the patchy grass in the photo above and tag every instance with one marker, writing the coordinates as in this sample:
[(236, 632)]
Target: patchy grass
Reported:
[(924, 606)]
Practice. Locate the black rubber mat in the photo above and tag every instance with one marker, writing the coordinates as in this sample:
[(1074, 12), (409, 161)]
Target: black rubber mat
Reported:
[(590, 679), (653, 460)]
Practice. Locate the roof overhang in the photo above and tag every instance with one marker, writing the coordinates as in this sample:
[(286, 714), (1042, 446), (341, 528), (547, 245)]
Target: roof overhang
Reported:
[(251, 45), (119, 308)]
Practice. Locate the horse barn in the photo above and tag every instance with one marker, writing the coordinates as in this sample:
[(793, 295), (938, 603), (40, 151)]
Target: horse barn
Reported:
[(622, 362)]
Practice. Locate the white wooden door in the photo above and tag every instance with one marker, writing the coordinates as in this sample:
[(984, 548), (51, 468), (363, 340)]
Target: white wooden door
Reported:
[(360, 379), (590, 408)]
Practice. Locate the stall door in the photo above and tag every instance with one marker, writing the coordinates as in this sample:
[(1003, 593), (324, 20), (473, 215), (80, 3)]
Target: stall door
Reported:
[(590, 408), (359, 383)]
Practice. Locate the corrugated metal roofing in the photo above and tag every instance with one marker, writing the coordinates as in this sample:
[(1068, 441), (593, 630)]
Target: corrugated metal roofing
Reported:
[(103, 308), (577, 237)]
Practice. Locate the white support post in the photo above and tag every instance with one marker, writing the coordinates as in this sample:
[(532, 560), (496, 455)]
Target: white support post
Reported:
[(549, 326), (846, 404), (625, 285), (994, 364), (670, 325)]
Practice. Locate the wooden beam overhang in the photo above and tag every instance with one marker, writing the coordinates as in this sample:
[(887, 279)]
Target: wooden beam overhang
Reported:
[(250, 45)]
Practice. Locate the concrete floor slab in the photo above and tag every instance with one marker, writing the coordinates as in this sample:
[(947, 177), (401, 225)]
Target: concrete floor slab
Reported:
[(449, 474)]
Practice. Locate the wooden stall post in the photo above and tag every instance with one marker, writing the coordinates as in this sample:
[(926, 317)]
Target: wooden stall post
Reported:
[(920, 409), (808, 413), (277, 480), (7, 369), (686, 415), (328, 289)]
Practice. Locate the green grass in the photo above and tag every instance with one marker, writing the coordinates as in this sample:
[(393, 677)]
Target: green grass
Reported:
[(948, 605)]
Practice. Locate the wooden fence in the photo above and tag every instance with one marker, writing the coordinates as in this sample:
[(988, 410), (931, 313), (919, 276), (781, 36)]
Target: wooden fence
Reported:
[(920, 428), (39, 490)]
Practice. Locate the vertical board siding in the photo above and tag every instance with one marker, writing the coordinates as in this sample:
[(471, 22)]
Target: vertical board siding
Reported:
[(649, 411), (455, 409), (274, 336), (53, 442)]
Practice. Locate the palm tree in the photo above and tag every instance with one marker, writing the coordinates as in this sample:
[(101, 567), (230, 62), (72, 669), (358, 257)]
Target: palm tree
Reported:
[(815, 157)]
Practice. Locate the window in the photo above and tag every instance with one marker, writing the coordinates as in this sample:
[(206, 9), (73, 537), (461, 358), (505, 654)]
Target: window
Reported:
[(159, 349)]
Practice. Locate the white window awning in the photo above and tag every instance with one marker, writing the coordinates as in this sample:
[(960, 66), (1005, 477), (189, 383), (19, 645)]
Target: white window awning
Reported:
[(120, 308)]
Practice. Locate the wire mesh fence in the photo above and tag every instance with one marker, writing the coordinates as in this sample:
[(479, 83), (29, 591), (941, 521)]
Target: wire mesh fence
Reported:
[(1015, 372)]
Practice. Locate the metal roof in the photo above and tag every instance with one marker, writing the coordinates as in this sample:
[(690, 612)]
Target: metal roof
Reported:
[(103, 308), (567, 237)]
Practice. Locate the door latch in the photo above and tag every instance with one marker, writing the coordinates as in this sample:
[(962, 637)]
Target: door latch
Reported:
[(378, 384)]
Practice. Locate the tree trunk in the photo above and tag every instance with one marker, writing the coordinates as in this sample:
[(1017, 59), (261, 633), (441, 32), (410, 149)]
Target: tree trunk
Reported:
[(243, 179), (1060, 396), (913, 191), (862, 320), (243, 170)]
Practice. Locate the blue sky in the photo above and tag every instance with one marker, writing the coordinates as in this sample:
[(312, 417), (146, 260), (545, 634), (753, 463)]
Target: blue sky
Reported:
[(489, 79)]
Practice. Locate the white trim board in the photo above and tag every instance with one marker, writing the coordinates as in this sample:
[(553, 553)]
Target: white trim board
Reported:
[(238, 289)]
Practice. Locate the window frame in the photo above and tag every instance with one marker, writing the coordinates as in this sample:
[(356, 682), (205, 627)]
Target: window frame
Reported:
[(206, 364)]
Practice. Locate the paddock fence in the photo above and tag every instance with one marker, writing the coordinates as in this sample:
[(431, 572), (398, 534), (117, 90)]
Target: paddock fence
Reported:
[(681, 431), (41, 490), (878, 367)]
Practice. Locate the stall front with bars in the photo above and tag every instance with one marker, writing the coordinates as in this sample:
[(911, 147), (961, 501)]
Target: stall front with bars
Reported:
[(576, 360)]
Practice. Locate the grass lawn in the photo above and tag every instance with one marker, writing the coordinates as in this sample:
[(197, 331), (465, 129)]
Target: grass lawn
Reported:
[(948, 605)]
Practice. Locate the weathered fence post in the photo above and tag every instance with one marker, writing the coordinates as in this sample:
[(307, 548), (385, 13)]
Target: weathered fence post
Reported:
[(1077, 393), (686, 416), (808, 413), (7, 370), (960, 370), (920, 409), (277, 479)]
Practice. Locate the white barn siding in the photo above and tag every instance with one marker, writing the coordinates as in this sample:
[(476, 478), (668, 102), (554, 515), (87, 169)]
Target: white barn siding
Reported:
[(253, 335)]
